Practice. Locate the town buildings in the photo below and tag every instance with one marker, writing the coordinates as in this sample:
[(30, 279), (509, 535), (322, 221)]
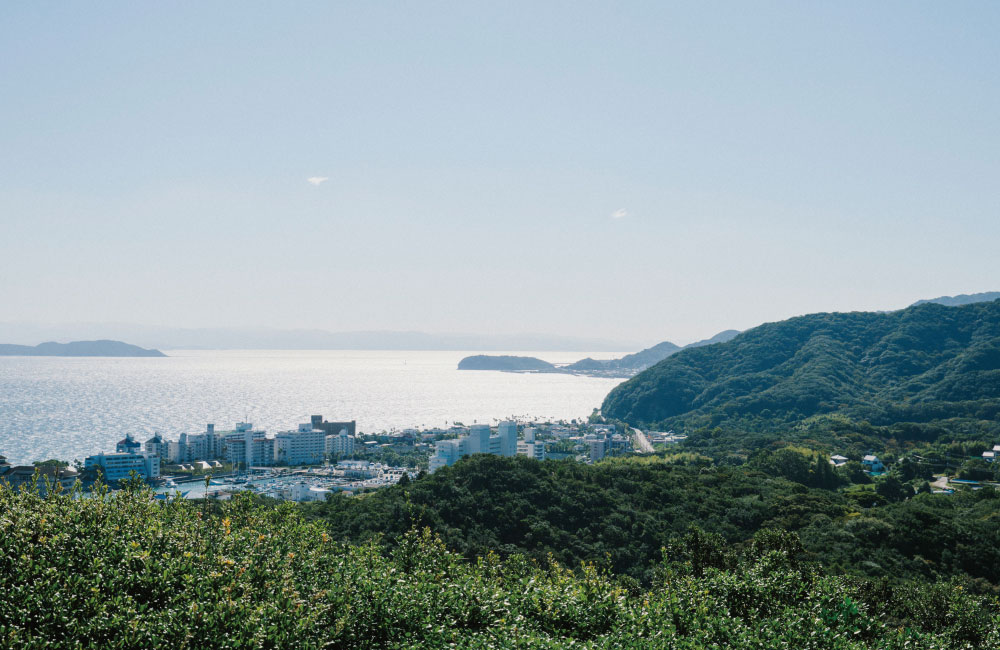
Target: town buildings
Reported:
[(244, 447), (478, 441)]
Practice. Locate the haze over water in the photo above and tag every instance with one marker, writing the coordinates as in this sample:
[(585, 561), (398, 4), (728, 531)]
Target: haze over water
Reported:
[(68, 408)]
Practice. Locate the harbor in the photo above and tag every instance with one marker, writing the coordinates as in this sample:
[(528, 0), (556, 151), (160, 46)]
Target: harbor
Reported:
[(311, 484)]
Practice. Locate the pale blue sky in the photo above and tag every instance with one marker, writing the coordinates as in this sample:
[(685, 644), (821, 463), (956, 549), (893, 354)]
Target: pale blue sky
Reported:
[(772, 159)]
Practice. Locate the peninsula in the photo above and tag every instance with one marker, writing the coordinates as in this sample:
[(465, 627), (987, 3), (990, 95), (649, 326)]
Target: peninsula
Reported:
[(78, 349)]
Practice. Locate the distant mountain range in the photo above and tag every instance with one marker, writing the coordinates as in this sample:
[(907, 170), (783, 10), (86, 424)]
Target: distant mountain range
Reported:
[(173, 338), (962, 299), (925, 364), (624, 367), (262, 338), (78, 349)]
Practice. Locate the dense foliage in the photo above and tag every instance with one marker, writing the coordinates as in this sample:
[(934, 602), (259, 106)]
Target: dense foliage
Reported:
[(619, 514), (124, 571), (926, 373)]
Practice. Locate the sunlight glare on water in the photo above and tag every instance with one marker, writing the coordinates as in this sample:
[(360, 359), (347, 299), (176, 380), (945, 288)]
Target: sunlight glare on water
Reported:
[(69, 408)]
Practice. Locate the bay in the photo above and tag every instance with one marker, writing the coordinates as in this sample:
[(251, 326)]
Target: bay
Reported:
[(69, 408)]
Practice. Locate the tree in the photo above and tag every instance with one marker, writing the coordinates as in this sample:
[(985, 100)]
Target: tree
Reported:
[(893, 490), (855, 473), (52, 462)]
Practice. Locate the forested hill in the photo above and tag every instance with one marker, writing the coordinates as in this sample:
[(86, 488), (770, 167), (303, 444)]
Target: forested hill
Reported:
[(921, 364), (621, 513)]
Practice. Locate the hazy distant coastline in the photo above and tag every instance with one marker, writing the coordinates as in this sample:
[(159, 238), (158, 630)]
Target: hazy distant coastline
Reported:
[(223, 338), (103, 348), (627, 366)]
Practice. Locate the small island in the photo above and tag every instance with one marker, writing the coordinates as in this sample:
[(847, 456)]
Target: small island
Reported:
[(102, 348), (506, 363)]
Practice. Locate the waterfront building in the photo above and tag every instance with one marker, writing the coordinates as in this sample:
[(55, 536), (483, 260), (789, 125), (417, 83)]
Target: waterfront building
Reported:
[(24, 475), (341, 444), (333, 428), (128, 445), (246, 447), (177, 450), (156, 446), (192, 447), (307, 446), (117, 466), (479, 439), (358, 469), (534, 450), (507, 434), (305, 492)]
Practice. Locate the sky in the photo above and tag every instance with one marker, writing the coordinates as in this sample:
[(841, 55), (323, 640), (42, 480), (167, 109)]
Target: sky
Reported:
[(635, 171)]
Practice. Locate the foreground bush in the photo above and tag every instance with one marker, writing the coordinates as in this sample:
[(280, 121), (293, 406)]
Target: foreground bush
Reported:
[(123, 571)]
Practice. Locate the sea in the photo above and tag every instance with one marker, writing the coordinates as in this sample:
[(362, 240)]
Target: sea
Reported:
[(72, 407)]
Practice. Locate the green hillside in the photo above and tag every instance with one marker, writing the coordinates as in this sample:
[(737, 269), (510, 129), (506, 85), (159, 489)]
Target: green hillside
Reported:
[(928, 365), (621, 513), (124, 571)]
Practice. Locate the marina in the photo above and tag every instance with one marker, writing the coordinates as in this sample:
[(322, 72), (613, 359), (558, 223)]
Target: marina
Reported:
[(313, 484)]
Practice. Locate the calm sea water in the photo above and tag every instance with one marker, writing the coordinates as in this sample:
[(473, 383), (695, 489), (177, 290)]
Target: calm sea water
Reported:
[(69, 408)]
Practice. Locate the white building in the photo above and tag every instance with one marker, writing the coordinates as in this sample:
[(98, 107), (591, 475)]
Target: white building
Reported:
[(872, 464), (340, 444), (534, 450), (446, 452), (200, 446), (507, 434), (118, 466), (307, 446), (156, 446), (128, 445), (305, 492), (479, 439), (598, 447), (247, 447)]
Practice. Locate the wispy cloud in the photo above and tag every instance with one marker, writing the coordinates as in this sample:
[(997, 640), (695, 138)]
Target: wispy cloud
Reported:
[(318, 180), (620, 213)]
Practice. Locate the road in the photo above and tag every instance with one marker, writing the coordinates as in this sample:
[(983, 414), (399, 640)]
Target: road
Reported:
[(640, 442)]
